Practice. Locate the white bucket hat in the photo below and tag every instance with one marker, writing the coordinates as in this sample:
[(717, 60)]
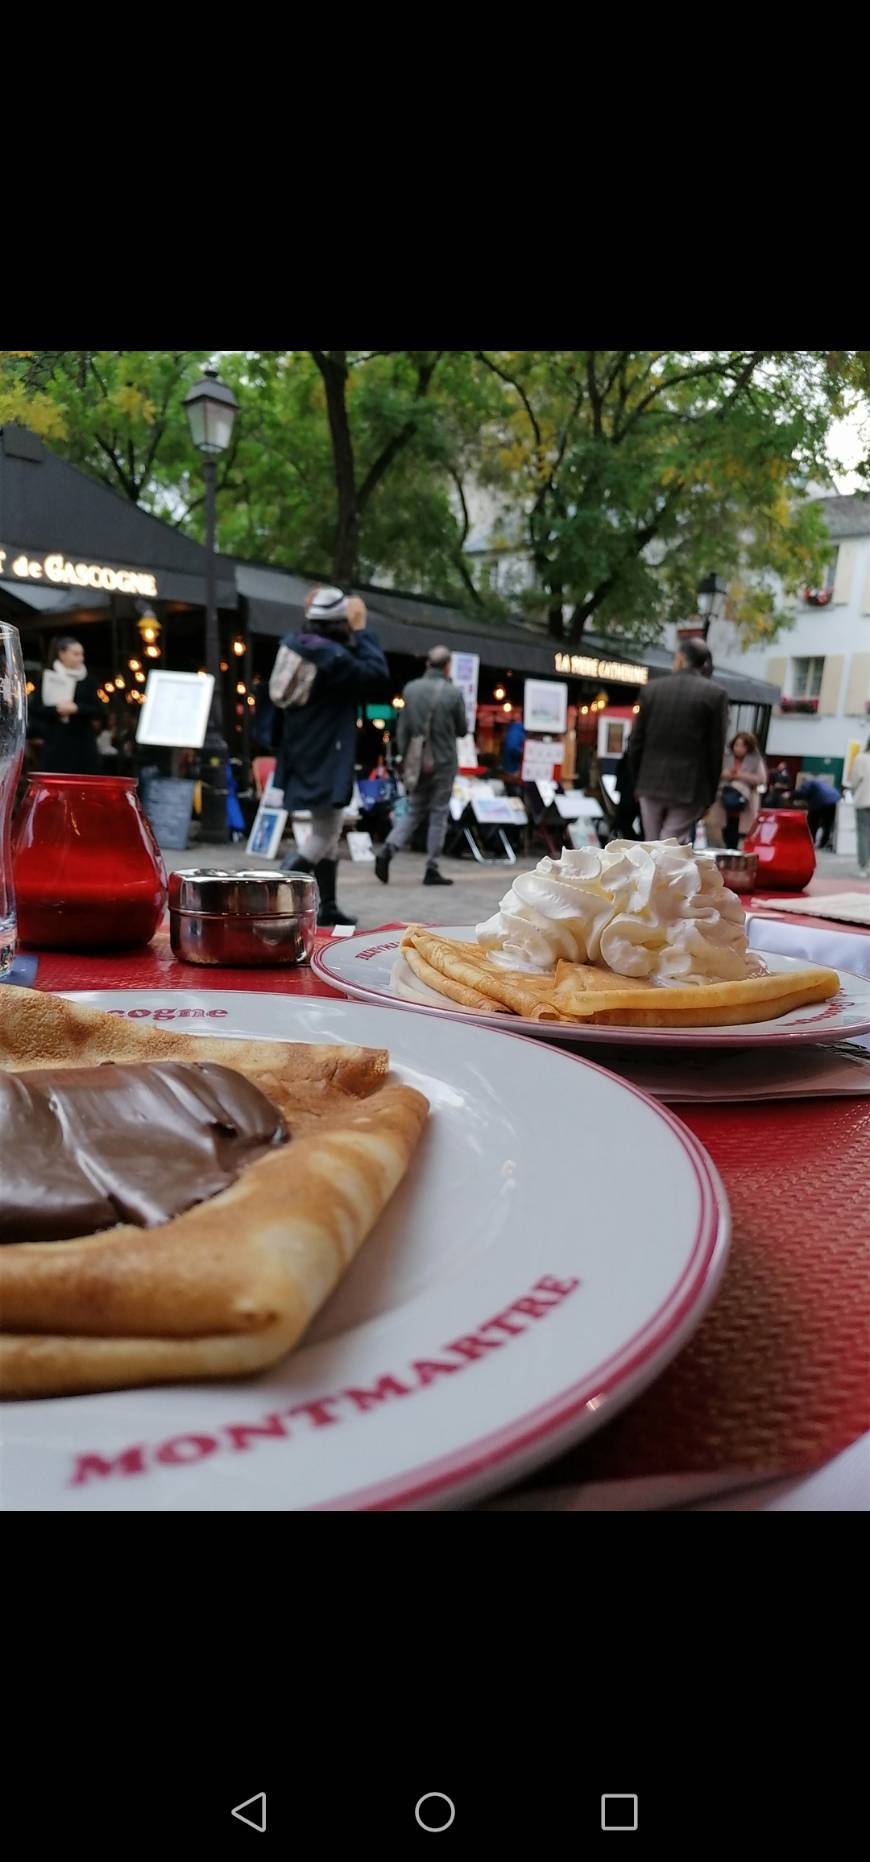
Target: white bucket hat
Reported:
[(328, 604)]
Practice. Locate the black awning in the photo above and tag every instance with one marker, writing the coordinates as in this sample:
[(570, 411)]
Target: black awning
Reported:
[(497, 648)]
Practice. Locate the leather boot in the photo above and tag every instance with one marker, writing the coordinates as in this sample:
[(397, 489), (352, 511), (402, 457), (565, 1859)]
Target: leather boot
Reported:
[(329, 912)]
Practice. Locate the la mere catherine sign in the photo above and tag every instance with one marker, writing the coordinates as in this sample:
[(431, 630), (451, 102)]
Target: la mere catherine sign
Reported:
[(615, 669), (58, 570)]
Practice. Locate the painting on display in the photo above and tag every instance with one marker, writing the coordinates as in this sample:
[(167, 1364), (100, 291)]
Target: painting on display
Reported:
[(545, 705)]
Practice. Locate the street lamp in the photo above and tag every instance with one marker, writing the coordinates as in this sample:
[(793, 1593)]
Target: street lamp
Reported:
[(711, 600), (211, 412)]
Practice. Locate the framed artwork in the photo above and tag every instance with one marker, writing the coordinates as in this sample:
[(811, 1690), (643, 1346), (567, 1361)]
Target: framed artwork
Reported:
[(613, 735), (265, 836), (545, 706)]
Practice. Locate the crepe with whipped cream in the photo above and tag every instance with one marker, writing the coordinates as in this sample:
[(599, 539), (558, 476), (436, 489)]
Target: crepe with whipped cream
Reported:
[(644, 933)]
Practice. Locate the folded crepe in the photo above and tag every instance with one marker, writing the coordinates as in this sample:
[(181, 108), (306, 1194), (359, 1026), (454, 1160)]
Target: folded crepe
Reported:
[(230, 1284), (578, 992)]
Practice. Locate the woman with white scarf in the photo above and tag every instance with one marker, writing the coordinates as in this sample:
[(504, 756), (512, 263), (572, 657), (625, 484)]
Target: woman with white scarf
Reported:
[(65, 712)]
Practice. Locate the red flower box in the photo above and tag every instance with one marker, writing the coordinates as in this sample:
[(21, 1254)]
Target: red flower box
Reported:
[(817, 597), (806, 705)]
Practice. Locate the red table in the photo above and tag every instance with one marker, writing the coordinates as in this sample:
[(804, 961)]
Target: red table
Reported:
[(775, 1380)]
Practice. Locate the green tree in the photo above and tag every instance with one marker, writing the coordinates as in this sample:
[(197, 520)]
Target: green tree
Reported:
[(117, 412), (632, 474), (639, 472), (352, 462)]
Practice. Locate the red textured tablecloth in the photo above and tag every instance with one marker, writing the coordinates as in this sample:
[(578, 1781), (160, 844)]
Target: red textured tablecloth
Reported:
[(776, 1379)]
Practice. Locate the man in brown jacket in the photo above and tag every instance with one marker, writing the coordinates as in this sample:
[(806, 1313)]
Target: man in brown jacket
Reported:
[(677, 745)]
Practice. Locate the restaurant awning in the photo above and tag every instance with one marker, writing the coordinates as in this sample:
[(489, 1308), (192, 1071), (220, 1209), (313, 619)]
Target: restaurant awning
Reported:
[(411, 624), (50, 601)]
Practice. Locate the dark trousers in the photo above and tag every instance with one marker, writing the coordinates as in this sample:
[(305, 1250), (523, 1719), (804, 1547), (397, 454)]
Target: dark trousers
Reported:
[(823, 818)]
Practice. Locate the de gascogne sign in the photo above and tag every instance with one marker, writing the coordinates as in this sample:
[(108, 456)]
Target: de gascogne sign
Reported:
[(59, 571)]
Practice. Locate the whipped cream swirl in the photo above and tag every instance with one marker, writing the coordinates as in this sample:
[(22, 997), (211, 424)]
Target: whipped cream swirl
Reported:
[(652, 909)]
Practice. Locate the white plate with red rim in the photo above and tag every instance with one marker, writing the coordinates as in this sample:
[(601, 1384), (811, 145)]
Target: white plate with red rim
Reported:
[(370, 968), (520, 1288)]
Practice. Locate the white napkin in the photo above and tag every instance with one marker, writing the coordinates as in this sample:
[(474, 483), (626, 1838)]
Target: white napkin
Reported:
[(851, 908)]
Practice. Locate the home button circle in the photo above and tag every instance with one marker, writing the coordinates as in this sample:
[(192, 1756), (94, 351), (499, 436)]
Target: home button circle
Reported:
[(435, 1811)]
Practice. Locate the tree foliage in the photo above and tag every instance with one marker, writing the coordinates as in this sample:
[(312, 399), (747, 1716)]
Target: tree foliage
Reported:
[(640, 472), (629, 475)]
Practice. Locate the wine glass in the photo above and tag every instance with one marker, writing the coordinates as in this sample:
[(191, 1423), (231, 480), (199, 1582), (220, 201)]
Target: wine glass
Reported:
[(13, 732)]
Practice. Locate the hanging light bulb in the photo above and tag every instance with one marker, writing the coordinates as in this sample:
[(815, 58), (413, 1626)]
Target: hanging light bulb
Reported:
[(499, 692), (134, 664), (241, 688), (239, 647), (507, 707), (148, 627)]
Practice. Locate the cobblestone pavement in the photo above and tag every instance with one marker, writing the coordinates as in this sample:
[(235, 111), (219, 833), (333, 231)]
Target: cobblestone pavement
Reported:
[(473, 896)]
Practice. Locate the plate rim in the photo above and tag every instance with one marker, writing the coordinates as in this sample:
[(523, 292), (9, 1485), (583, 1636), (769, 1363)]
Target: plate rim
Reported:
[(735, 1034), (539, 1436)]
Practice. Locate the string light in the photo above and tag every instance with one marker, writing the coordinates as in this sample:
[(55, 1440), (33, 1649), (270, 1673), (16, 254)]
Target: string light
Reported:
[(499, 692), (584, 711), (378, 723), (152, 652), (120, 681), (252, 702), (398, 704), (140, 678), (635, 709), (134, 664), (241, 688), (507, 707), (30, 687), (224, 666), (239, 647)]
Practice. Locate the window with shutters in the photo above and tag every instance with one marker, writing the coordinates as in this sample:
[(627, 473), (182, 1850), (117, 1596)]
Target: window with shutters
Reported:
[(806, 677), (823, 594)]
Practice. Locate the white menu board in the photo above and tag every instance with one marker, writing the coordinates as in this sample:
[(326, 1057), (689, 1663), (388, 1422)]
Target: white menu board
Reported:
[(176, 709), (540, 759)]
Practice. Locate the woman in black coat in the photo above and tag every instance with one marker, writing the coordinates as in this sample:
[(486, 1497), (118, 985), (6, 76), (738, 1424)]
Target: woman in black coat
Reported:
[(66, 726)]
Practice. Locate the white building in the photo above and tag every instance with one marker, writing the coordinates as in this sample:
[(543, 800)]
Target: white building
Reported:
[(822, 662)]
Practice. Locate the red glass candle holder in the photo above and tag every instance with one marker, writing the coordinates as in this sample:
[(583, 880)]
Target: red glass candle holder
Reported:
[(782, 841), (88, 872)]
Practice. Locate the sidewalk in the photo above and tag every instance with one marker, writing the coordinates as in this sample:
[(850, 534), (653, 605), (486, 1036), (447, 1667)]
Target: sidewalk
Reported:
[(474, 895)]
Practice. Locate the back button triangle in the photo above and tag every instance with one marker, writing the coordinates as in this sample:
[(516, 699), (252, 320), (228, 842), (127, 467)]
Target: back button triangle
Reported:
[(252, 1811)]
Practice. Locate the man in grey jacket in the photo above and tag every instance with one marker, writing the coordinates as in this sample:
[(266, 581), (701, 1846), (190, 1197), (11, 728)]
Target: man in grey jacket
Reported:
[(677, 745), (435, 709)]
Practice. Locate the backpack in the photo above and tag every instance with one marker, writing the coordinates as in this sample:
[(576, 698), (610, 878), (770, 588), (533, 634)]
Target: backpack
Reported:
[(291, 680)]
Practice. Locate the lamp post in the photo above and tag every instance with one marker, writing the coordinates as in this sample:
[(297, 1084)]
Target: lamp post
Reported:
[(211, 412), (711, 600)]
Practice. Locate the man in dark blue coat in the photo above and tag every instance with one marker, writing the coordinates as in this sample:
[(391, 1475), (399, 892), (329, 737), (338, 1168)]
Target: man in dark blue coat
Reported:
[(320, 677)]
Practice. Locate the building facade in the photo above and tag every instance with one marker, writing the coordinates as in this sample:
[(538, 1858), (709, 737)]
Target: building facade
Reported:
[(821, 663)]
